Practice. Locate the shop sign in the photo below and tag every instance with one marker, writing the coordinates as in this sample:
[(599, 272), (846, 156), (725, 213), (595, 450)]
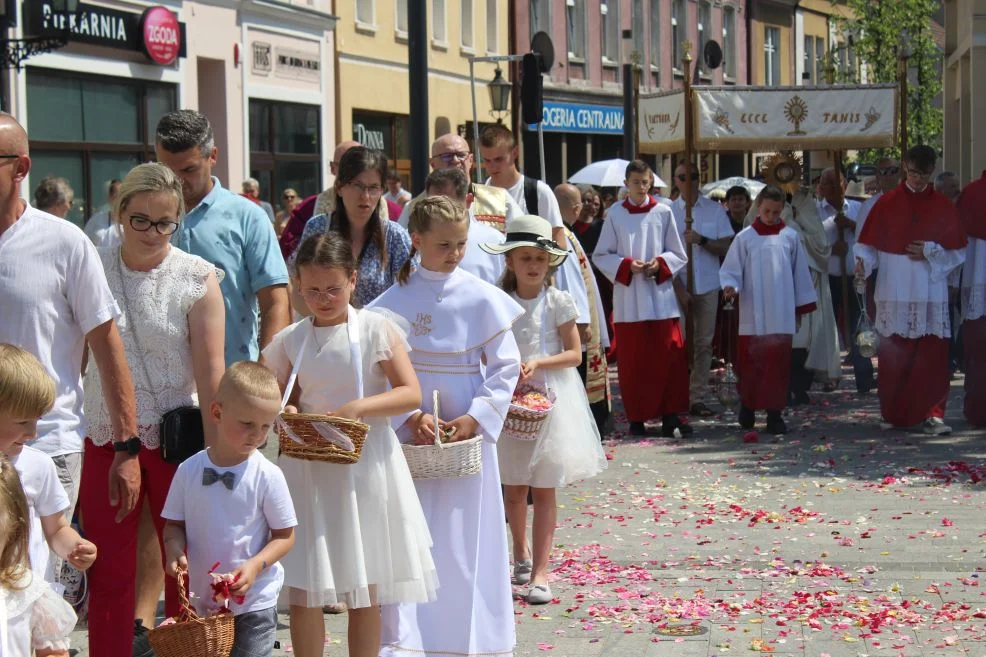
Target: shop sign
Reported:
[(574, 117), (296, 64), (157, 32), (369, 138), (374, 131), (261, 58)]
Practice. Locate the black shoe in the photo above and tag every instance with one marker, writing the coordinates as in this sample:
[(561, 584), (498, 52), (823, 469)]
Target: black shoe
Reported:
[(638, 429), (747, 417), (800, 398), (672, 422), (775, 423)]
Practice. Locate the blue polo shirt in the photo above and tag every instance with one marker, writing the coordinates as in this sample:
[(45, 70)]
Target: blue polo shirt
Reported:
[(236, 236)]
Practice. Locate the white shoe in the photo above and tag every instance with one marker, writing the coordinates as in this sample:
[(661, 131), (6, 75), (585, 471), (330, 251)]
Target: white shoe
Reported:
[(935, 426), (522, 571), (885, 426), (539, 594)]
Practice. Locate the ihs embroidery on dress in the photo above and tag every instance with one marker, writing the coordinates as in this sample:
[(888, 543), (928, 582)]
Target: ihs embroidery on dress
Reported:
[(421, 324)]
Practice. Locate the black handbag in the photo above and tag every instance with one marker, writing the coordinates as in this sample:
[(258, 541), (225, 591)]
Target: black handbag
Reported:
[(181, 432)]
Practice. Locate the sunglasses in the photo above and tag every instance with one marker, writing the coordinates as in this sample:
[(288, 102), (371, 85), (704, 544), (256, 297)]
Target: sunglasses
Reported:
[(290, 196), (684, 177), (888, 171)]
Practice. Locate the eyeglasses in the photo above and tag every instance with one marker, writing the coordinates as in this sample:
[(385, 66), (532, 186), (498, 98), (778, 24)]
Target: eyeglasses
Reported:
[(323, 296), (371, 190), (9, 156), (290, 196), (450, 158), (888, 171), (142, 224), (683, 177)]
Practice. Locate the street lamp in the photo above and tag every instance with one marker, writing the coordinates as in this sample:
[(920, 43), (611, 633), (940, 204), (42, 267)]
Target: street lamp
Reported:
[(499, 95), (50, 37)]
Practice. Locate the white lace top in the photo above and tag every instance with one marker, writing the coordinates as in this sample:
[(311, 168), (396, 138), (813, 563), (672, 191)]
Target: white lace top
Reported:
[(161, 300), (33, 618), (560, 310), (912, 295), (974, 280)]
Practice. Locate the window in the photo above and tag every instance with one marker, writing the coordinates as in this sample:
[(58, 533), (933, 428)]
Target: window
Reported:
[(820, 76), (401, 23), (466, 23), (611, 30), (438, 34), (772, 56), (364, 13), (729, 42), (491, 27), (809, 61), (679, 32), (655, 33), (540, 16), (91, 129), (637, 30), (576, 29), (285, 148), (704, 31)]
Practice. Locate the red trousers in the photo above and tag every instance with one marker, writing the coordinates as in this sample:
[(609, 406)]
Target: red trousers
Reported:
[(653, 368), (763, 366), (913, 378), (974, 350), (112, 592)]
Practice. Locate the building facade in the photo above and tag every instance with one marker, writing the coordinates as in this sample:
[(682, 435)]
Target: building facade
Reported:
[(964, 102), (262, 72), (372, 92), (583, 92)]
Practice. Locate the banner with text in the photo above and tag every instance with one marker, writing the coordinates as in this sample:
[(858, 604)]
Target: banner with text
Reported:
[(795, 118), (661, 123)]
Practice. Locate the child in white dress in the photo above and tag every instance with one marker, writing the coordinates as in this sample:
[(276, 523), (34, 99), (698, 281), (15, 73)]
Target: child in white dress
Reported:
[(463, 348), (362, 537), (567, 448), (34, 620)]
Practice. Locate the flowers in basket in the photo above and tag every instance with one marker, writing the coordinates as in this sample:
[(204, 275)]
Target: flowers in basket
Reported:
[(532, 399)]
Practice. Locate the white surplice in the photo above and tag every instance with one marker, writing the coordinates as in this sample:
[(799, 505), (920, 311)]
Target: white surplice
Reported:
[(974, 280), (640, 237), (770, 273), (458, 322)]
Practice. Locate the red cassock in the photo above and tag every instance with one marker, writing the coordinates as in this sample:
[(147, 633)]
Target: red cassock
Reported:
[(653, 368), (764, 370)]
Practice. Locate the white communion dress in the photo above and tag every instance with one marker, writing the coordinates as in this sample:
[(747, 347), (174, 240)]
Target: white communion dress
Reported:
[(458, 323), (361, 536), (568, 446), (33, 617)]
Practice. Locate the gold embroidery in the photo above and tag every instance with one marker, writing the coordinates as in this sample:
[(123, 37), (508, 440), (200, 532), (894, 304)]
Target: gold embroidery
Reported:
[(421, 324)]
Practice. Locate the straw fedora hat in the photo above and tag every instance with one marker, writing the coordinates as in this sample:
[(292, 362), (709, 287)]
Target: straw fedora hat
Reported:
[(529, 230)]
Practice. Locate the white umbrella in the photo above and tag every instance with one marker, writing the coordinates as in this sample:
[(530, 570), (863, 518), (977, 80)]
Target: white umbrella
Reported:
[(606, 173), (752, 186)]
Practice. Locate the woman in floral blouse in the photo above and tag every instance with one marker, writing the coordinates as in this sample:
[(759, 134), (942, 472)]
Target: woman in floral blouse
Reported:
[(380, 247)]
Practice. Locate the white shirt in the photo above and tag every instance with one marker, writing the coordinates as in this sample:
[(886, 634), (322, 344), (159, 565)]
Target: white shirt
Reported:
[(403, 194), (36, 618), (710, 220), (547, 203), (231, 526), (52, 293), (477, 262), (102, 231), (770, 274), (640, 237), (45, 497), (827, 213), (974, 280), (511, 211), (864, 211)]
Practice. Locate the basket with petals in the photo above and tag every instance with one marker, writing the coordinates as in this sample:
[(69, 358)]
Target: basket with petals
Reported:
[(313, 437), (191, 635), (447, 458), (530, 407)]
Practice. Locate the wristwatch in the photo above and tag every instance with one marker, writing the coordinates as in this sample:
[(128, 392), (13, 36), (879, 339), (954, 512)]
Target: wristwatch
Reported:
[(703, 240), (131, 446)]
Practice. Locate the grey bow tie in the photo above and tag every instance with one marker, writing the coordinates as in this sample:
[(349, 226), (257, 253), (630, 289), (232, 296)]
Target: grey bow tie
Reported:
[(210, 476)]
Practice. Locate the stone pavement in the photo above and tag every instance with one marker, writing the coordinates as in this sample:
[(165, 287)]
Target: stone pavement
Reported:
[(834, 540)]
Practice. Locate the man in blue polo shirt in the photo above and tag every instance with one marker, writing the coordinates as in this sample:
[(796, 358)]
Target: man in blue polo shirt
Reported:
[(228, 231)]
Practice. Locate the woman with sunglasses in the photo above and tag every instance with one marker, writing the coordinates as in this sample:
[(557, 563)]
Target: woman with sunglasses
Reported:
[(289, 201), (172, 323), (380, 247)]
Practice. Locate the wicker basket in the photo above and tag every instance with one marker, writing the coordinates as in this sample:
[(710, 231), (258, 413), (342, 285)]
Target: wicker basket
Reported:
[(462, 458), (192, 635), (524, 423), (315, 447)]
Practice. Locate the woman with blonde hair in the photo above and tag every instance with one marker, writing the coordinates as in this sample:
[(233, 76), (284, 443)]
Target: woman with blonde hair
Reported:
[(172, 325)]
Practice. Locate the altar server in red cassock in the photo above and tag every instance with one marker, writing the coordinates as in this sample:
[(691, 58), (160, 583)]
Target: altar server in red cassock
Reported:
[(914, 237), (972, 211), (767, 267), (639, 249)]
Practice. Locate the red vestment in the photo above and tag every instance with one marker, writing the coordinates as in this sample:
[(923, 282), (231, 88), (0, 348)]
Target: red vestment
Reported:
[(653, 368)]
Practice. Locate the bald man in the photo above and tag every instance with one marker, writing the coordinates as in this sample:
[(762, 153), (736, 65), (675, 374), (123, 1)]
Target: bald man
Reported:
[(490, 205), (54, 299)]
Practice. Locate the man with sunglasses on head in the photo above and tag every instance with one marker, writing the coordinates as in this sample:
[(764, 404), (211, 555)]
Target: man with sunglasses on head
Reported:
[(913, 234), (710, 237), (487, 204)]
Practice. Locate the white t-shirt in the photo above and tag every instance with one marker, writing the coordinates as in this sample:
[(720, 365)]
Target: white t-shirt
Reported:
[(45, 496), (102, 231), (477, 262), (231, 526), (52, 293), (398, 197), (710, 220), (547, 203)]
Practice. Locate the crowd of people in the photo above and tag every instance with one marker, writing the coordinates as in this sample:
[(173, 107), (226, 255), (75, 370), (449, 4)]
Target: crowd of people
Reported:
[(361, 302)]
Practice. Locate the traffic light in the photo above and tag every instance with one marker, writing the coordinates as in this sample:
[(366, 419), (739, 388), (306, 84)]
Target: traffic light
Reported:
[(531, 89)]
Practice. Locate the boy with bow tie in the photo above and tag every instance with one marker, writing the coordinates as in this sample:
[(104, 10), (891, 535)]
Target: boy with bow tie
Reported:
[(229, 506)]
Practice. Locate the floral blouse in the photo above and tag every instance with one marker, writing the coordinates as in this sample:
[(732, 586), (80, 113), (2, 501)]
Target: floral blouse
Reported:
[(372, 280)]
